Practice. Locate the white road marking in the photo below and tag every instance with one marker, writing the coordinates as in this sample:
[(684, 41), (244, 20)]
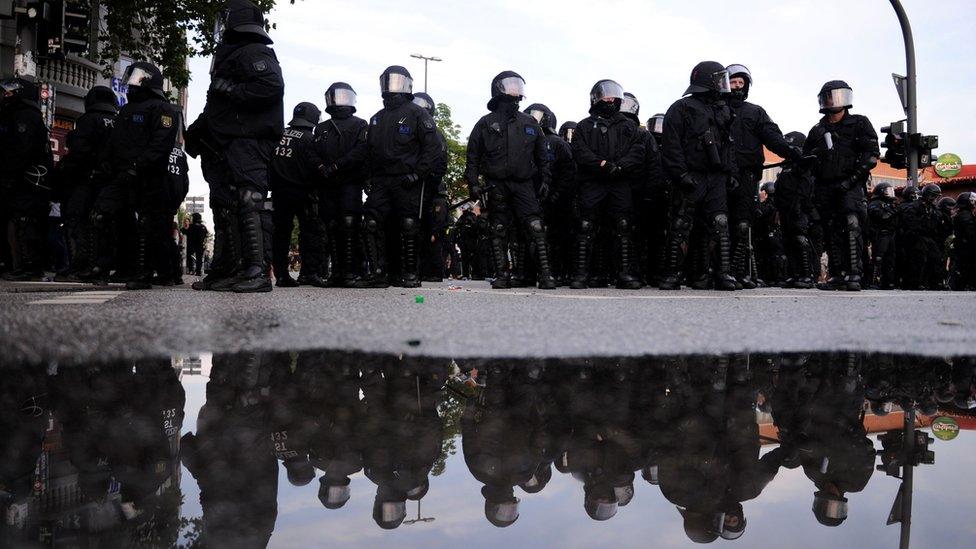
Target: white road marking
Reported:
[(79, 298)]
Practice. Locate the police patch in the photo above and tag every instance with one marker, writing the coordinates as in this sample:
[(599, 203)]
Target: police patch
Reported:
[(429, 124), (260, 66), (529, 130), (166, 121), (22, 128), (138, 119), (404, 129)]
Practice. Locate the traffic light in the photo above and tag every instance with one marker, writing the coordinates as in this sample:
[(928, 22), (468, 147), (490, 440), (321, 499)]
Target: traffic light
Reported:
[(924, 146), (49, 18), (896, 145)]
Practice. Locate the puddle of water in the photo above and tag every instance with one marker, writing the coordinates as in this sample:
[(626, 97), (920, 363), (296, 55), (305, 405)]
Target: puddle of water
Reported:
[(311, 449)]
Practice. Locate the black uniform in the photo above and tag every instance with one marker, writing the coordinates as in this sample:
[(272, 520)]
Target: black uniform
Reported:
[(770, 250), (196, 238), (295, 182), (23, 146), (509, 150), (651, 205), (882, 227), (798, 219), (402, 148), (751, 130), (964, 249), (614, 142), (557, 208), (135, 164), (435, 218), (341, 142), (841, 172), (236, 135), (924, 250), (467, 235), (698, 157), (85, 146)]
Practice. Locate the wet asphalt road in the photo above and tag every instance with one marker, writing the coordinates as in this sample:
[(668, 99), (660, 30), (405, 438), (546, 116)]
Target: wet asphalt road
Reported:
[(69, 323)]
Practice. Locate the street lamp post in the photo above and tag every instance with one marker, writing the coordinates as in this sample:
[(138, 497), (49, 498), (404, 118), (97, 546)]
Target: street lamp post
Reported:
[(426, 60), (911, 107)]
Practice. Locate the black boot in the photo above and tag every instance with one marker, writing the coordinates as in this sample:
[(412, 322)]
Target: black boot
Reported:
[(227, 252), (409, 276), (29, 254), (852, 282), (723, 276), (625, 277), (519, 252), (253, 277), (676, 247), (373, 242), (499, 255), (144, 274), (584, 247), (538, 232)]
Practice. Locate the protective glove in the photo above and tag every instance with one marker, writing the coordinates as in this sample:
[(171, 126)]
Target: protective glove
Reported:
[(732, 184), (409, 181), (328, 171), (611, 169), (126, 177), (688, 182), (222, 86), (543, 191)]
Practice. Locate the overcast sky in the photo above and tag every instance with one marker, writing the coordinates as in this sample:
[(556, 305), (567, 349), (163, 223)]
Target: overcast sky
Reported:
[(562, 47)]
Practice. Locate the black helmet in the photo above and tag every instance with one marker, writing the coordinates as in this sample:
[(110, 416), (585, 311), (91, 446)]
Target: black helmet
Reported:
[(542, 115), (709, 76), (741, 71), (508, 83), (333, 493), (243, 17), (651, 474), (947, 203), (882, 407), (769, 187), (340, 94), (306, 115), (566, 131), (501, 506), (300, 471), (835, 96), (389, 508), (540, 478), (630, 106), (102, 99), (797, 139), (829, 509), (655, 124), (19, 90), (197, 218), (606, 89), (396, 79), (966, 200), (701, 526), (884, 191), (931, 193), (910, 194), (145, 76), (425, 101)]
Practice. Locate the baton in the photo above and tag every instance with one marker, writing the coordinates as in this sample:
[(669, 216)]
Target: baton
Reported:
[(470, 199), (420, 210), (787, 162)]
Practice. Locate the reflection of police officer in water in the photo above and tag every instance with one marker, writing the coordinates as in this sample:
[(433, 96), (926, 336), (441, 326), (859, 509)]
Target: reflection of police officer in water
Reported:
[(231, 457), (24, 406), (504, 440), (401, 433), (818, 411)]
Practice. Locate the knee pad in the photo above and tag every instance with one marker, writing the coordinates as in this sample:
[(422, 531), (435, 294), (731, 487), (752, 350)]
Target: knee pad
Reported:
[(853, 223), (251, 200), (348, 222), (371, 226), (408, 224), (587, 227), (742, 229), (682, 226), (802, 241), (536, 226), (99, 219), (720, 222), (499, 230), (623, 225)]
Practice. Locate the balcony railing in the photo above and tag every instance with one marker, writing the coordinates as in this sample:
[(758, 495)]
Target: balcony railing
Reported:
[(74, 71)]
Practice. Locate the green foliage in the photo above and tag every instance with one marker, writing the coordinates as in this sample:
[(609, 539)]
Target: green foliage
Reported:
[(158, 31), (457, 153)]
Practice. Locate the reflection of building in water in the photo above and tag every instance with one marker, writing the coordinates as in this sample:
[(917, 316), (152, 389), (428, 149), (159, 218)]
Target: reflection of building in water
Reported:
[(873, 424), (190, 365)]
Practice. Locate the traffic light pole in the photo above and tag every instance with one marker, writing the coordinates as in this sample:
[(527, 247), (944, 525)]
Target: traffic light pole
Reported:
[(911, 106), (908, 476)]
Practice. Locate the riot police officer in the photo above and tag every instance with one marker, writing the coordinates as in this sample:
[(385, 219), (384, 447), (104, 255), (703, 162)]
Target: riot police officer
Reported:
[(566, 131), (699, 159), (798, 218), (882, 227), (770, 250), (25, 158), (751, 131), (135, 165), (435, 216), (659, 212), (557, 199), (964, 243), (509, 150), (295, 176), (341, 142), (236, 136), (648, 199), (924, 252), (85, 145), (402, 148), (846, 147), (609, 154)]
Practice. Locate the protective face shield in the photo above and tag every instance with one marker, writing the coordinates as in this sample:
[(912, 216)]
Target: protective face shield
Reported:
[(389, 514), (145, 76), (733, 527), (538, 115), (340, 97), (835, 100), (396, 79), (502, 514), (651, 475), (11, 89), (931, 193), (655, 124), (220, 26), (135, 76), (601, 510), (966, 200), (334, 496), (702, 527), (425, 102), (606, 90), (889, 192), (630, 105), (417, 493), (510, 85), (709, 76), (623, 494), (829, 509), (721, 82), (740, 71)]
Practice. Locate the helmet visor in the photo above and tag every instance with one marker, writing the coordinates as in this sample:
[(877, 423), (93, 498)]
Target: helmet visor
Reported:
[(512, 85), (423, 103), (506, 512), (340, 97), (220, 26), (392, 511), (338, 494), (741, 71), (607, 89), (538, 115), (630, 105), (396, 83), (656, 124), (837, 99), (569, 134), (720, 82), (834, 508), (137, 76)]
